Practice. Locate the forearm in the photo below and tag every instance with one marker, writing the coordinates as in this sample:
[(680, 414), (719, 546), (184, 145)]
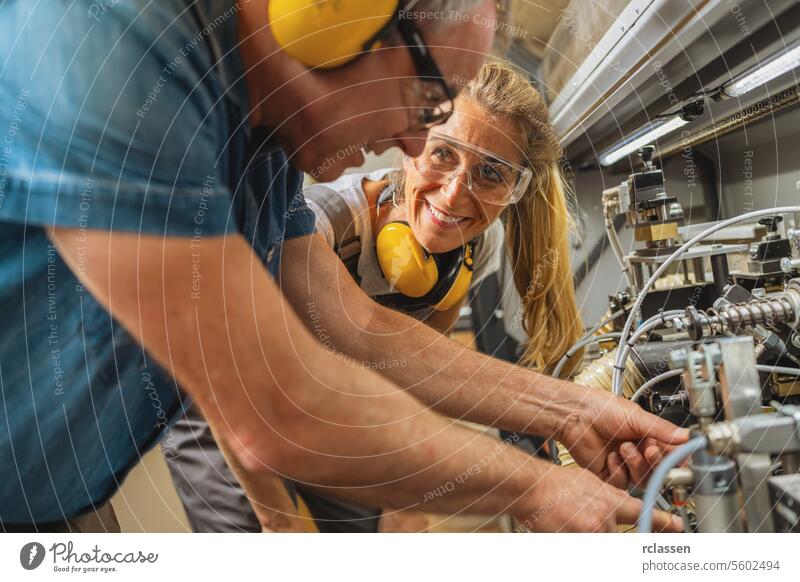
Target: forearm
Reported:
[(394, 455), (465, 384), (452, 379), (350, 432), (436, 463), (280, 402)]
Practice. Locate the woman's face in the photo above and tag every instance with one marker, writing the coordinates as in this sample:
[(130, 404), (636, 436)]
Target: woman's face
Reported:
[(445, 214)]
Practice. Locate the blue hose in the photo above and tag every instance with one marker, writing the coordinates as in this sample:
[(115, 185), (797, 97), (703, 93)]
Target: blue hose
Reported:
[(660, 474)]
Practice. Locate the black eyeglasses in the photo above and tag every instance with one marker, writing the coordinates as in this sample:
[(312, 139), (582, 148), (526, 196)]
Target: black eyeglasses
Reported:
[(436, 92)]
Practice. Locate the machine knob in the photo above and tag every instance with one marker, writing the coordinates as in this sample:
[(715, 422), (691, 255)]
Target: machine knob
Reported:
[(646, 153)]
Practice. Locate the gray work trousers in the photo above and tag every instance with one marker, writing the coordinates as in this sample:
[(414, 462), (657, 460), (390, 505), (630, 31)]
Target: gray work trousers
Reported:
[(215, 502)]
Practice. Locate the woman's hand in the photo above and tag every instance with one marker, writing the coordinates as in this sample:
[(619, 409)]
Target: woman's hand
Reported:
[(616, 439)]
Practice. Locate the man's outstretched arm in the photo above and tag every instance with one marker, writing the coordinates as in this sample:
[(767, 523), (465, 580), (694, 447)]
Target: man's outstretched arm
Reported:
[(604, 433)]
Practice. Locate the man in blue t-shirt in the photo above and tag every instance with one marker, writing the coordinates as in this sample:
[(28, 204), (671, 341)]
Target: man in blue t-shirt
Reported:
[(149, 218)]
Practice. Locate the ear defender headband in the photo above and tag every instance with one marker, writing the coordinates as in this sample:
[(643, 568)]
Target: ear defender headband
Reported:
[(422, 279), (330, 33)]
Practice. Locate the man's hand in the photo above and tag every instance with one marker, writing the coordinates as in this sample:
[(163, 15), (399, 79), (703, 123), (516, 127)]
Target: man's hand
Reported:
[(616, 439), (574, 500)]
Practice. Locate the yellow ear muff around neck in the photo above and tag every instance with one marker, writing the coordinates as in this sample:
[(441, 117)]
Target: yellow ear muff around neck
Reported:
[(404, 263), (418, 277), (328, 33)]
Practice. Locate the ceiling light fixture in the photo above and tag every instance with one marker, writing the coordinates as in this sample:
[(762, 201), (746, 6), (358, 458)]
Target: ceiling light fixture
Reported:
[(763, 73), (646, 135)]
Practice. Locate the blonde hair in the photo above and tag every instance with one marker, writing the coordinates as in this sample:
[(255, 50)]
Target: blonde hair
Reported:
[(538, 226)]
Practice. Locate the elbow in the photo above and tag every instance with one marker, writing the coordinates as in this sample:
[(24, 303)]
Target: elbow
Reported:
[(283, 430), (255, 459), (266, 450), (279, 439)]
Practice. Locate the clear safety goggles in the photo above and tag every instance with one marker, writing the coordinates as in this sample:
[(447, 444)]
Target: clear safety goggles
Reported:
[(490, 178)]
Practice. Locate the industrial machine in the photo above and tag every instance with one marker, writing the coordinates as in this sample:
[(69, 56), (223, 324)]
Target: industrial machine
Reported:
[(708, 334), (683, 116), (710, 340), (742, 475)]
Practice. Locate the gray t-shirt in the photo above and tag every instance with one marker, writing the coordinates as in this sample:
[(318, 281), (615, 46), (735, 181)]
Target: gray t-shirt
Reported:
[(350, 187)]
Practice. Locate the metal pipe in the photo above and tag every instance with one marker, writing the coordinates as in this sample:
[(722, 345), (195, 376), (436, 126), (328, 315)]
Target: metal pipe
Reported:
[(653, 381)]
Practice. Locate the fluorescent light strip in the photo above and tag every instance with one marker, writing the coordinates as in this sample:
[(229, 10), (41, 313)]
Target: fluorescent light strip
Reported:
[(639, 139), (764, 73)]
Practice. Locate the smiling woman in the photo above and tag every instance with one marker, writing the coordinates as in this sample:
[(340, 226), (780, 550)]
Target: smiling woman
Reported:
[(495, 161)]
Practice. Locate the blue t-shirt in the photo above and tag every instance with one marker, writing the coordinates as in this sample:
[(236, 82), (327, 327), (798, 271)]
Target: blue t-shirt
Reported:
[(126, 116)]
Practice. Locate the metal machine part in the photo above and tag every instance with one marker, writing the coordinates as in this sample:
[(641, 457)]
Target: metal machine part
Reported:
[(739, 386), (699, 380), (715, 494), (754, 471), (654, 214), (789, 265), (780, 308), (769, 259), (785, 496), (657, 219), (759, 433), (737, 335), (730, 484), (783, 386)]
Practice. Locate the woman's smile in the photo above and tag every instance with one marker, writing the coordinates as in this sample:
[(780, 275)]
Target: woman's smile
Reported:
[(442, 218)]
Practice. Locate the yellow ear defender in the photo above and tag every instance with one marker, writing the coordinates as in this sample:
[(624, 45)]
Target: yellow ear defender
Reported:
[(329, 33), (421, 278)]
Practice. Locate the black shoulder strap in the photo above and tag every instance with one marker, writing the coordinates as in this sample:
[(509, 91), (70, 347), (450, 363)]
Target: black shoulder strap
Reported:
[(346, 243)]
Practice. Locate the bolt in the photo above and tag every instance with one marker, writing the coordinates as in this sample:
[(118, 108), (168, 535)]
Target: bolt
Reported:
[(677, 359)]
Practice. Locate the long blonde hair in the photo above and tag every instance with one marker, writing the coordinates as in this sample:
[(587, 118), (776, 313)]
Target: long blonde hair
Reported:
[(538, 226)]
